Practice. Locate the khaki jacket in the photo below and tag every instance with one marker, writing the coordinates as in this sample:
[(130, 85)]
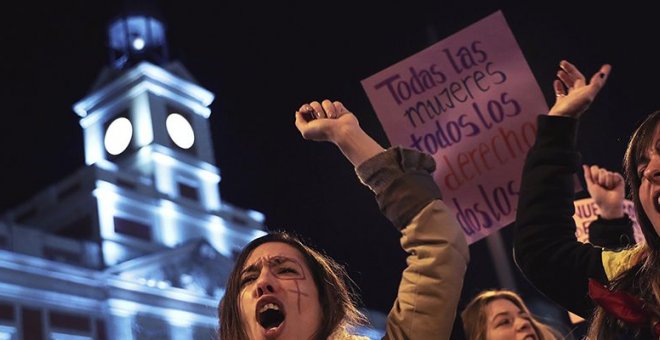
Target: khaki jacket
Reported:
[(430, 286)]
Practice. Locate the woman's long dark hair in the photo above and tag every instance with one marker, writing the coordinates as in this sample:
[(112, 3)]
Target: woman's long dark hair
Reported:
[(643, 277), (338, 303)]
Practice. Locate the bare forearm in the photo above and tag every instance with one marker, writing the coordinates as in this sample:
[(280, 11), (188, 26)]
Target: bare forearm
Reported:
[(611, 212), (356, 145)]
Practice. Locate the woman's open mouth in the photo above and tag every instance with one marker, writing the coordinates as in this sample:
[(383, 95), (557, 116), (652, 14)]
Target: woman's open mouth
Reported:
[(271, 316)]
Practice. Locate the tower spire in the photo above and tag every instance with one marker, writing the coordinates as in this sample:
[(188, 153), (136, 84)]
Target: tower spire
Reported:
[(137, 34)]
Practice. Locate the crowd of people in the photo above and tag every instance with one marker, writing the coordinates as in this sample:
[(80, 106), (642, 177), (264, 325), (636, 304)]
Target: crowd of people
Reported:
[(281, 288)]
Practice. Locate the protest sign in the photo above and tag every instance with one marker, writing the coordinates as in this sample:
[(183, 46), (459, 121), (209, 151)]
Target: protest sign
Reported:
[(470, 101)]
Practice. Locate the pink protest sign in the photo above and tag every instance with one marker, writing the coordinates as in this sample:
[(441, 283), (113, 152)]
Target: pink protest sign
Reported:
[(586, 211), (471, 101)]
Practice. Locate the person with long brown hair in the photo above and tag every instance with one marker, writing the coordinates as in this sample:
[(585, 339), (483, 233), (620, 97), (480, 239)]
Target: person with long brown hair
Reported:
[(501, 314), (280, 288), (618, 291)]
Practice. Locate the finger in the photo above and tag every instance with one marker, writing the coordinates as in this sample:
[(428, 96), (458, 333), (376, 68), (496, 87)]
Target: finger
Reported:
[(307, 112), (559, 88), (306, 108), (339, 108), (566, 80), (600, 77), (595, 174), (571, 70), (329, 109), (602, 177), (587, 174), (609, 180), (594, 169), (318, 109)]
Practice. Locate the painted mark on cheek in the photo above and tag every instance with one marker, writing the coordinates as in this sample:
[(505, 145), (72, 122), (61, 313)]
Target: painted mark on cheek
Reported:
[(299, 293)]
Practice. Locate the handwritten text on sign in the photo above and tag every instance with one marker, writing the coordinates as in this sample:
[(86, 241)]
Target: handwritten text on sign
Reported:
[(471, 101)]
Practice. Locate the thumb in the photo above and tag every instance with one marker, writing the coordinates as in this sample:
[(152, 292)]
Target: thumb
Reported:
[(300, 122)]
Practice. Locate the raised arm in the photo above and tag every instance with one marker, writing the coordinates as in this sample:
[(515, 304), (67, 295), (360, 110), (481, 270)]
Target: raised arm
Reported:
[(613, 229), (431, 284), (574, 94), (607, 188), (545, 246)]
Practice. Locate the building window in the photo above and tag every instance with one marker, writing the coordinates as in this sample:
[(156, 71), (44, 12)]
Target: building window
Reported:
[(147, 327), (132, 228), (72, 326), (69, 321), (100, 330), (32, 324), (188, 191), (7, 312)]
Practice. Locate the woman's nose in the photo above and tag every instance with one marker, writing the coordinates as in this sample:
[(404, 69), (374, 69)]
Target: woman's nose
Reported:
[(265, 284), (652, 171), (523, 324)]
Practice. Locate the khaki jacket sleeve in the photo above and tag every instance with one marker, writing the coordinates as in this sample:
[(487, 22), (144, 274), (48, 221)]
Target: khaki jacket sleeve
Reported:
[(431, 284)]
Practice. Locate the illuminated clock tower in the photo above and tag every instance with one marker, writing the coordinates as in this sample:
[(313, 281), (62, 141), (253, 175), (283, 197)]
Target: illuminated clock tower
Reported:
[(150, 181), (146, 131)]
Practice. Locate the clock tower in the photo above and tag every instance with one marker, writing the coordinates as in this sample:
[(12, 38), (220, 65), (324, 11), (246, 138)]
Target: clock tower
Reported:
[(146, 131), (150, 181)]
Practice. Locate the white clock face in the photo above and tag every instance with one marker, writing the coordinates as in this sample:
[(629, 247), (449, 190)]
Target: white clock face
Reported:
[(180, 130), (118, 136)]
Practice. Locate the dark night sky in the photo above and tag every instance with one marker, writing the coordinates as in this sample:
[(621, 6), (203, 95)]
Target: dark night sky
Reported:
[(264, 61)]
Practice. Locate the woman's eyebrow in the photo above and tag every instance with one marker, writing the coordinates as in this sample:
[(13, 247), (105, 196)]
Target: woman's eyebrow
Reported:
[(255, 267), (282, 259)]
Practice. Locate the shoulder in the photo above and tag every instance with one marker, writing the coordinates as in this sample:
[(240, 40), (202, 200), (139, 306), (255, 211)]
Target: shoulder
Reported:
[(617, 262)]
